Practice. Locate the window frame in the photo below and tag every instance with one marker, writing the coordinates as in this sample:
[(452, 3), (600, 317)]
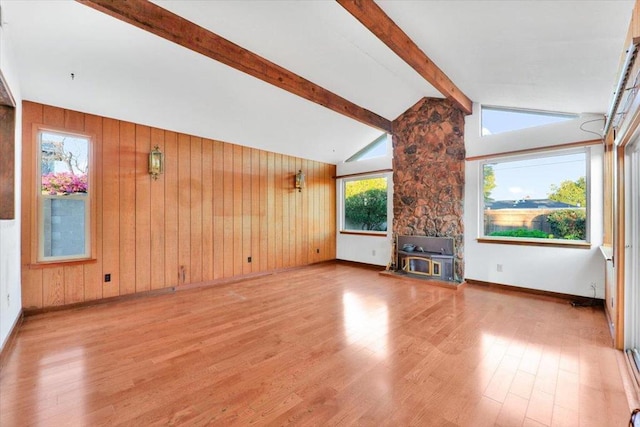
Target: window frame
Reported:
[(342, 192), (37, 217), (482, 238)]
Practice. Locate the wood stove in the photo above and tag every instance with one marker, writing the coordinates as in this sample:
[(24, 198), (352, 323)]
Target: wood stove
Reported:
[(429, 257)]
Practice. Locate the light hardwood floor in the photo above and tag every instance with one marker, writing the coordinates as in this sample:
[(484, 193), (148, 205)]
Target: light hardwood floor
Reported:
[(330, 344)]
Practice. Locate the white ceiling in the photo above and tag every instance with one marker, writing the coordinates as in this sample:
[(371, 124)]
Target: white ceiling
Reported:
[(559, 56)]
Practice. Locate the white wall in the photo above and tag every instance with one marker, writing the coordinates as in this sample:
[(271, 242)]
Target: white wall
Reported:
[(366, 249), (565, 270), (10, 294)]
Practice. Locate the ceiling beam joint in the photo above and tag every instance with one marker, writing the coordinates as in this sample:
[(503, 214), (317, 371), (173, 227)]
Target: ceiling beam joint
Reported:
[(382, 26)]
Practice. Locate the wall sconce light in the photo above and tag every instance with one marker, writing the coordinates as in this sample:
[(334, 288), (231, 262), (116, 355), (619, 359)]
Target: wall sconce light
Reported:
[(300, 181), (156, 162)]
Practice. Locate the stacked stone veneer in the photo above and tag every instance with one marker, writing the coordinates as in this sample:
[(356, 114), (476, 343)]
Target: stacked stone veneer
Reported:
[(428, 173)]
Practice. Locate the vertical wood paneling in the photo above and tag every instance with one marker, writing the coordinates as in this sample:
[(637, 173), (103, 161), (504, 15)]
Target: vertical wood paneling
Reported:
[(313, 256), (325, 206), (319, 211), (333, 220), (306, 249), (171, 208), (271, 208), (286, 224), (92, 280), (31, 278), (322, 201), (264, 211), (32, 288), (53, 286), (73, 282), (53, 116), (127, 208), (246, 209), (143, 209), (299, 226), (293, 225), (215, 205), (207, 210), (31, 113), (317, 214), (238, 260), (184, 209), (157, 228), (227, 198), (218, 210), (277, 218), (111, 207), (196, 209), (74, 120), (255, 211)]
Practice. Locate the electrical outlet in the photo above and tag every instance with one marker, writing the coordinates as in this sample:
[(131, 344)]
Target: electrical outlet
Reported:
[(317, 251), (8, 300), (373, 252), (107, 277), (499, 268), (248, 259)]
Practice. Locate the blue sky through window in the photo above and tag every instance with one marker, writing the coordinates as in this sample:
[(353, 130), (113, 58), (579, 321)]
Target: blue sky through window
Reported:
[(533, 178), (497, 120), (377, 148)]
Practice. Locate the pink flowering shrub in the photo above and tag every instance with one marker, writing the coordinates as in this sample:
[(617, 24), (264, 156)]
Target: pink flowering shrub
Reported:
[(63, 183)]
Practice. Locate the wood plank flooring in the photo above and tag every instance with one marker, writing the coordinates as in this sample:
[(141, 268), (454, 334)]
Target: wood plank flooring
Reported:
[(330, 344)]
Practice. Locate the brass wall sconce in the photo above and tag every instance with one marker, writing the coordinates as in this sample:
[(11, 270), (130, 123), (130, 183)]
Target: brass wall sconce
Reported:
[(300, 180), (156, 162)]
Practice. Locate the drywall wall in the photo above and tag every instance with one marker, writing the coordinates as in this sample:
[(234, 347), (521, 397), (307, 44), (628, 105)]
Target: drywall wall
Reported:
[(564, 270), (10, 295)]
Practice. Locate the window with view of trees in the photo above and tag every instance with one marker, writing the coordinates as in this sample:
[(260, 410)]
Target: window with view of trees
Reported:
[(63, 196), (365, 205), (538, 197)]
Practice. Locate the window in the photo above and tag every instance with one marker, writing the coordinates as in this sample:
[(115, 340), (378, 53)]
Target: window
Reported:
[(365, 204), (541, 197), (377, 148), (497, 120), (63, 196)]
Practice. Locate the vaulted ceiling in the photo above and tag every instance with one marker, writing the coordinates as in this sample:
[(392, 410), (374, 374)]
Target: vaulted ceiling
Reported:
[(558, 56)]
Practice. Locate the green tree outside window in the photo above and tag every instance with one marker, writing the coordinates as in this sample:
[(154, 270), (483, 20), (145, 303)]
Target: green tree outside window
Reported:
[(365, 204)]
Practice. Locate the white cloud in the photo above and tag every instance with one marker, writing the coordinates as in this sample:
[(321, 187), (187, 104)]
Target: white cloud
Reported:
[(516, 190)]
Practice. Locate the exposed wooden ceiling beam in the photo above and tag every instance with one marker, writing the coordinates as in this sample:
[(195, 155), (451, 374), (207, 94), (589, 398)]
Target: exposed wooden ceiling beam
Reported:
[(161, 22), (379, 23)]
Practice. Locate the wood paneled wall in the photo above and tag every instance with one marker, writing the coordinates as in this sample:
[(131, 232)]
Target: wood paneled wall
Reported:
[(215, 205)]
